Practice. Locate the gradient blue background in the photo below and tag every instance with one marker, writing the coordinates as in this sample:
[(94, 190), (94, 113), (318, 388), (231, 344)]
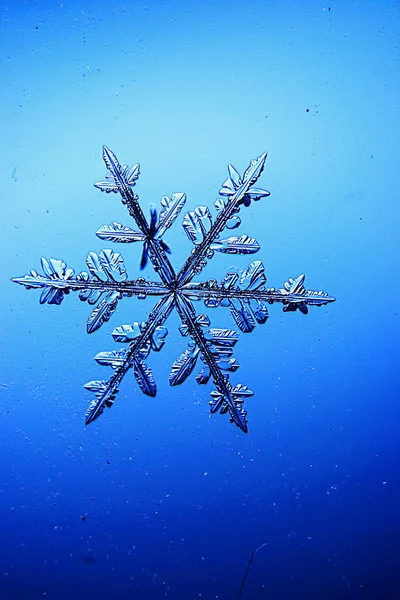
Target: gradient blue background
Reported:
[(175, 501)]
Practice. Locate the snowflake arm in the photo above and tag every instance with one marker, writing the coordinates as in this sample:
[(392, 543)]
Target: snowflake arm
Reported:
[(143, 338), (102, 287), (198, 223), (122, 179), (293, 295), (224, 398)]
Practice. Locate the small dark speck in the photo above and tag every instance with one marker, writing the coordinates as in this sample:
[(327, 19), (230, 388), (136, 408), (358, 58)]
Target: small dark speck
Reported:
[(307, 110), (89, 560), (83, 518), (360, 218), (108, 462)]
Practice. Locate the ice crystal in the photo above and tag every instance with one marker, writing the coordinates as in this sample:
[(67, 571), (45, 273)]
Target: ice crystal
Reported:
[(106, 282)]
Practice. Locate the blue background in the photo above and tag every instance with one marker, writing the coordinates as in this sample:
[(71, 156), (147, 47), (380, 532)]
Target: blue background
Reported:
[(156, 499)]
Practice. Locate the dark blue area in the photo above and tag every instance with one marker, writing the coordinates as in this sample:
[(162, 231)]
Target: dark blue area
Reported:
[(157, 499)]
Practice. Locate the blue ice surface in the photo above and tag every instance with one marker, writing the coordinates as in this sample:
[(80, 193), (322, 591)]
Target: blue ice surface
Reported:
[(157, 499)]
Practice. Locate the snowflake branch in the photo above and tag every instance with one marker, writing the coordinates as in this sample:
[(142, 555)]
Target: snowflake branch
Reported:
[(106, 390), (208, 290), (196, 260), (122, 182), (237, 413)]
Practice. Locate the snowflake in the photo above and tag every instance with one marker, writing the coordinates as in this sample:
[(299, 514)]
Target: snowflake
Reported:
[(106, 283)]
